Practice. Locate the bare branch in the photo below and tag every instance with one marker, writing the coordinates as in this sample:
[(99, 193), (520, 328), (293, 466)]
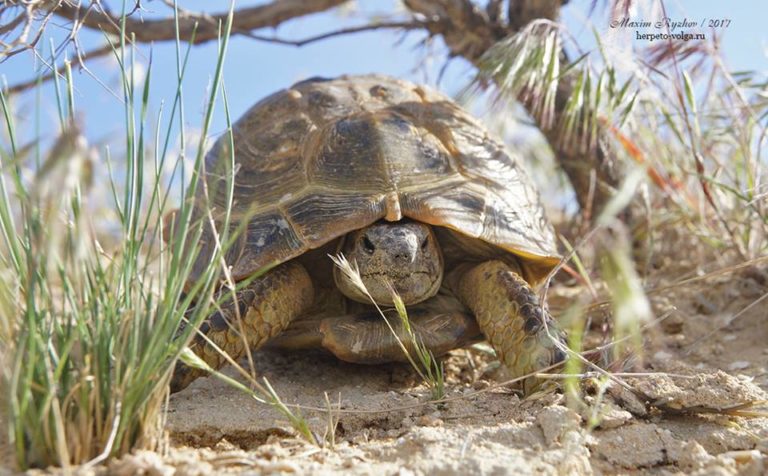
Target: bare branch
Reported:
[(494, 11), (466, 29), (270, 15), (410, 25), (81, 59), (23, 23), (522, 12), (144, 31), (13, 23)]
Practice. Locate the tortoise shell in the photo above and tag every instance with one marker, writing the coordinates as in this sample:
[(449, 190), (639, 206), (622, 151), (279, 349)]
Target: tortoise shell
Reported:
[(328, 156)]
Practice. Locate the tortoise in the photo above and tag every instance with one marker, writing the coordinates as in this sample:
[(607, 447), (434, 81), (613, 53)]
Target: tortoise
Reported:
[(410, 188)]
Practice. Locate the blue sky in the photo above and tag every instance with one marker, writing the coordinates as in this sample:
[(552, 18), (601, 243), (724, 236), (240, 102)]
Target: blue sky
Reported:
[(255, 69)]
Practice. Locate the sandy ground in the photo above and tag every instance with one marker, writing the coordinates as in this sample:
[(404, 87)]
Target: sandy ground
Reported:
[(677, 424), (713, 343)]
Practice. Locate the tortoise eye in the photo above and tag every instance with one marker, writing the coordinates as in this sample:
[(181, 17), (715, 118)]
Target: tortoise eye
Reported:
[(368, 245)]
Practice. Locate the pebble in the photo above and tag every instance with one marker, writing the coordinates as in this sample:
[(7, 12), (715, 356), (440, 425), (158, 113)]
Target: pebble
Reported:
[(739, 365), (673, 324), (613, 417), (429, 420), (762, 446), (694, 457)]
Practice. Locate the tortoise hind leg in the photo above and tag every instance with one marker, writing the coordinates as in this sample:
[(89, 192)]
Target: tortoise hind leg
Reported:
[(510, 316), (266, 307)]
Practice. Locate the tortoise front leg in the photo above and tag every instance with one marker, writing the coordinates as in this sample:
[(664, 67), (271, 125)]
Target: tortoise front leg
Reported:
[(365, 338), (509, 315), (266, 306)]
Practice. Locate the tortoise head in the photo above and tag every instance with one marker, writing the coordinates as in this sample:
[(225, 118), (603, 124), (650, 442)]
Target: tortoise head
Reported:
[(403, 255)]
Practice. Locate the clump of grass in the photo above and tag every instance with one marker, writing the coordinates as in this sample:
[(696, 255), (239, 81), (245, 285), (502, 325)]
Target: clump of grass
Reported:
[(418, 355), (90, 335)]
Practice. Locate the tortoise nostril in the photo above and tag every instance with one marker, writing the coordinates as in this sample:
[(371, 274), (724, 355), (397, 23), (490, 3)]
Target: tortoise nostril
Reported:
[(405, 256)]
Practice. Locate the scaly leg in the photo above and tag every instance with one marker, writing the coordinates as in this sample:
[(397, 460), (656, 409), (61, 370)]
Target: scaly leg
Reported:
[(509, 315), (266, 307)]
